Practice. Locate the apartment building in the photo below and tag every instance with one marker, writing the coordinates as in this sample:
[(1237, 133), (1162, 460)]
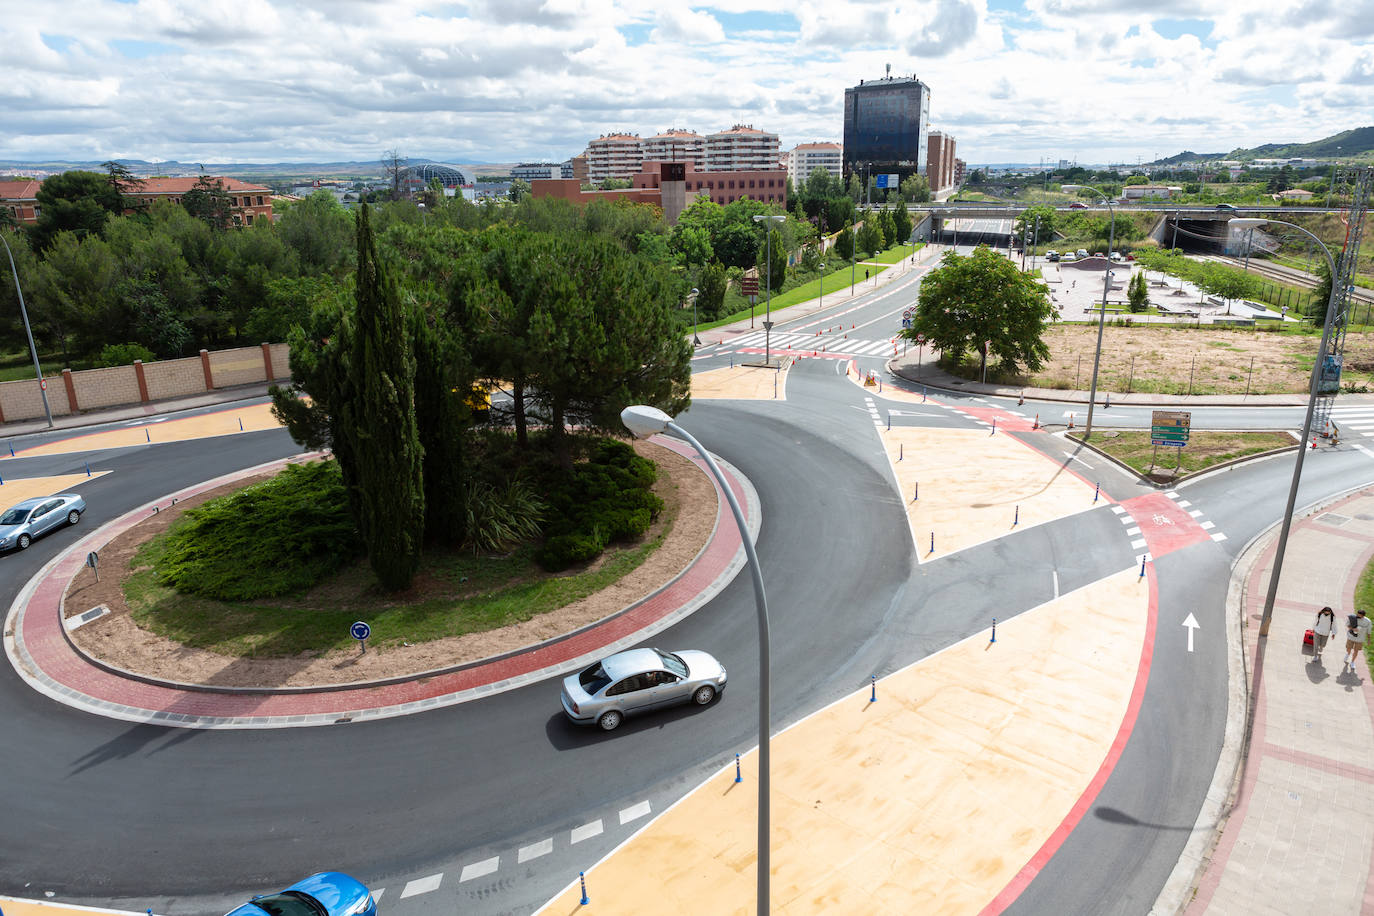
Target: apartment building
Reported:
[(804, 158), (676, 145), (247, 202), (614, 156), (20, 198), (742, 148), (940, 161)]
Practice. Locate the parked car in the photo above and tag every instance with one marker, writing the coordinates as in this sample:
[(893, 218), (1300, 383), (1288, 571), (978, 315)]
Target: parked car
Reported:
[(26, 520), (1081, 253), (1051, 255), (1115, 255), (637, 680), (329, 893), (1226, 207), (1078, 206)]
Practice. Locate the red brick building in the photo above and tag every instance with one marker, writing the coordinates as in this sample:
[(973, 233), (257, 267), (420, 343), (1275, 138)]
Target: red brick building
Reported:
[(247, 202), (940, 161), (767, 185)]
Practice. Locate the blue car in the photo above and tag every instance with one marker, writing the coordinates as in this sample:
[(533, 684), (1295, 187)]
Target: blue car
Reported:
[(330, 893), (24, 521)]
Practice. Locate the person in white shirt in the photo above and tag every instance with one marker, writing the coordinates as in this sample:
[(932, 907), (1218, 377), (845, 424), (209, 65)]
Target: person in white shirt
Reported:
[(1322, 630), (1356, 635)]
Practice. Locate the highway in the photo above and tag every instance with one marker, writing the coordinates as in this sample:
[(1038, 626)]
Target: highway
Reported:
[(190, 822)]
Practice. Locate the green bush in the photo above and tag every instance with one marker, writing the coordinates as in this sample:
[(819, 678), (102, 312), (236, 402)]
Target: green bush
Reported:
[(605, 499), (123, 355), (276, 538)]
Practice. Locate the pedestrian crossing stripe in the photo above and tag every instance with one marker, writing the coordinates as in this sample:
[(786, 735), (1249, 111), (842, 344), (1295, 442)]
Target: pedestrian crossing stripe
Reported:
[(806, 342)]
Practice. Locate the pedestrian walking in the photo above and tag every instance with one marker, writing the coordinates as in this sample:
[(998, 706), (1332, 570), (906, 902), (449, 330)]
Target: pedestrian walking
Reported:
[(1322, 630), (1356, 635)]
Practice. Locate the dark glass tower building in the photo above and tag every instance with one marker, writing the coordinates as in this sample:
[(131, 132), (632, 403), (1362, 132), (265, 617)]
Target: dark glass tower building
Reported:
[(886, 126)]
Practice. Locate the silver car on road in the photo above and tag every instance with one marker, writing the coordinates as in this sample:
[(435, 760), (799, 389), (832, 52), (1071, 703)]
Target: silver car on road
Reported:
[(637, 680), (24, 521)]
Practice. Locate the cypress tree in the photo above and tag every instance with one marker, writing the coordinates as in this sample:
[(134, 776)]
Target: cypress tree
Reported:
[(443, 381), (379, 422)]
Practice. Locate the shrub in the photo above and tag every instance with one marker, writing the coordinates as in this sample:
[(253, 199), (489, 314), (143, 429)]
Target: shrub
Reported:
[(123, 355), (604, 499), (278, 537)]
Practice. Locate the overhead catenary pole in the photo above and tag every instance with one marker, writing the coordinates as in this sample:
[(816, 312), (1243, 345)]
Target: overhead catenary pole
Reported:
[(33, 351)]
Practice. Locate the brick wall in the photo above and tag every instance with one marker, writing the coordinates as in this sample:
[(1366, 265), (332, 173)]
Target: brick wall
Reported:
[(237, 367), (281, 363), (23, 401), (173, 378), (97, 388)]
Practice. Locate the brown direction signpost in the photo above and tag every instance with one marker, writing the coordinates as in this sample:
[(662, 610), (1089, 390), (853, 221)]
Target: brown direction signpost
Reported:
[(749, 286), (1169, 427)]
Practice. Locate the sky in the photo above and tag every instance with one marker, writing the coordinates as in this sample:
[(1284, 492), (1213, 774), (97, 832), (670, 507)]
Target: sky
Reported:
[(503, 81)]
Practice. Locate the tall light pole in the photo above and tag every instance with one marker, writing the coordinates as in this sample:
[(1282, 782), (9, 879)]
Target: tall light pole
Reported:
[(643, 422), (33, 351), (1102, 315), (696, 341), (1272, 593), (768, 218)]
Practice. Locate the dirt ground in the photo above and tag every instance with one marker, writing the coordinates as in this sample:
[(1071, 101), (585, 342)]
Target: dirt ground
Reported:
[(1175, 360), (690, 502)]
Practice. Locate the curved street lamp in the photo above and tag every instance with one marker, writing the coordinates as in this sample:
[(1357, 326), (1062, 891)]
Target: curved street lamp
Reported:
[(1272, 593), (1102, 314), (33, 351), (696, 341), (768, 303), (643, 421)]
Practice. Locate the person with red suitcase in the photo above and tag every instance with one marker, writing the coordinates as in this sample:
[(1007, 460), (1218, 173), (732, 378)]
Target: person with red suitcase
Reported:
[(1322, 630)]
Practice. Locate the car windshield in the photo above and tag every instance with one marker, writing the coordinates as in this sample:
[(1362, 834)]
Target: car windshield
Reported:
[(291, 903), (673, 663), (593, 679), (13, 516)]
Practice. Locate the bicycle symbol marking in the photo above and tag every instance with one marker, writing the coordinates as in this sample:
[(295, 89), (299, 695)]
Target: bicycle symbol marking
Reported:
[(1162, 520)]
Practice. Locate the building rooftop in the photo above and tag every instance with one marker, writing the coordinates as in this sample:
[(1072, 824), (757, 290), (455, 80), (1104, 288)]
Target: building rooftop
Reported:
[(182, 185), (19, 190), (819, 146)]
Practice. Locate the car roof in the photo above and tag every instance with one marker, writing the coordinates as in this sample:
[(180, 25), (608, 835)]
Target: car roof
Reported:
[(631, 661), (31, 502)]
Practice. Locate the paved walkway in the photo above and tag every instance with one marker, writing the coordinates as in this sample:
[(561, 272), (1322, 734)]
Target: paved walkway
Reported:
[(1298, 834)]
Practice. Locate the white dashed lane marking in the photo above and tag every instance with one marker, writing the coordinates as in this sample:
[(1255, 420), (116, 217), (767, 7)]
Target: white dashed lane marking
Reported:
[(422, 885), (534, 850), (478, 869), (586, 831), (634, 812)]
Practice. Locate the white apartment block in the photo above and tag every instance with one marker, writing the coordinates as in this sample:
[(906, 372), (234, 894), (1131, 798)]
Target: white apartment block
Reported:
[(614, 156), (805, 158), (741, 149), (676, 145)]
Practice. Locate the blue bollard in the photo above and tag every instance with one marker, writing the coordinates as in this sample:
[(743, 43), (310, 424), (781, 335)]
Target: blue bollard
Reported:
[(923, 394), (916, 491), (240, 424), (11, 449), (147, 435), (994, 426), (994, 630), (1097, 488), (900, 448), (932, 542), (1142, 565), (738, 777), (2, 481), (582, 877), (873, 697), (88, 469), (1016, 519), (880, 386), (889, 421)]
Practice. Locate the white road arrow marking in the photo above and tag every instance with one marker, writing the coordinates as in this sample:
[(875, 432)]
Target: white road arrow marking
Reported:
[(1191, 623)]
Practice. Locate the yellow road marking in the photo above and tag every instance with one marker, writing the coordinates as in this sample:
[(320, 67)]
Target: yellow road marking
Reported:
[(14, 906), (740, 383), (18, 489)]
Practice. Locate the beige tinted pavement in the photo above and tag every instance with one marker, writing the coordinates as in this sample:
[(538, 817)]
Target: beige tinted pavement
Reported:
[(741, 382), (929, 800), (18, 489), (236, 420)]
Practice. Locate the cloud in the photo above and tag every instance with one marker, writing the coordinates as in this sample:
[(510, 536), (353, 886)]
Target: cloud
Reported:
[(679, 23)]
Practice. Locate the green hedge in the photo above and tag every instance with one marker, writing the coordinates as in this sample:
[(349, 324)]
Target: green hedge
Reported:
[(595, 503)]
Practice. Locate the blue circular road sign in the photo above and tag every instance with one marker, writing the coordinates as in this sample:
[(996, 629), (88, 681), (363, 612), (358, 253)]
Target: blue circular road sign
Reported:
[(360, 630)]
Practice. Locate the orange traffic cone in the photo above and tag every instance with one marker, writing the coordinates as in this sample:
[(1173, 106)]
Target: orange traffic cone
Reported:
[(1036, 425), (1070, 421)]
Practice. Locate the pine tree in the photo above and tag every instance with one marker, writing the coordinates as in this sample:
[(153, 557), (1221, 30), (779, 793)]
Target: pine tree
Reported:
[(387, 489)]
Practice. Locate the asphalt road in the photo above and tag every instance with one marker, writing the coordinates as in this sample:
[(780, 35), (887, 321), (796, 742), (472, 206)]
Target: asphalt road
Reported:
[(189, 821)]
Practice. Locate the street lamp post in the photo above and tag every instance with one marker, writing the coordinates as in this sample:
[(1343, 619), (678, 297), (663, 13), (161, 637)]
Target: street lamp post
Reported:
[(1272, 593), (696, 341), (1102, 314), (33, 351), (643, 422), (768, 301)]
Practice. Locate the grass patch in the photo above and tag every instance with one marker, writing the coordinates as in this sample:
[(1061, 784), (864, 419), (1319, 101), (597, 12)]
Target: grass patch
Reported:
[(895, 255), (1204, 449), (1364, 600), (834, 281)]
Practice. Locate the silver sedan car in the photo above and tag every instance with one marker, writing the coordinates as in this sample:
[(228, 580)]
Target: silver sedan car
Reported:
[(24, 521), (632, 682)]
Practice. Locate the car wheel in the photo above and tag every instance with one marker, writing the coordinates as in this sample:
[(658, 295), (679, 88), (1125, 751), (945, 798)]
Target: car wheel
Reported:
[(610, 720), (704, 695), (73, 517), (23, 542)]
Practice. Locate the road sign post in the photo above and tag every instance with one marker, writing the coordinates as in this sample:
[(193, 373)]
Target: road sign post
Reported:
[(93, 561), (749, 286), (360, 631), (1169, 428)]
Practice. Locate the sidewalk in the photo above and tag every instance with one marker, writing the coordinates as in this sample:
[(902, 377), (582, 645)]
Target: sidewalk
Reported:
[(1298, 835), (18, 428)]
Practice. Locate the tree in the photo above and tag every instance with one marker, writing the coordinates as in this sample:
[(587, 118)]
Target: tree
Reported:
[(379, 451), (1132, 180), (886, 228), (394, 167), (519, 188), (320, 231), (126, 185), (901, 222), (711, 291), (772, 259), (78, 202), (1227, 283), (855, 188), (916, 188), (1026, 223), (614, 184), (844, 243), (208, 201), (1138, 293), (967, 301), (869, 240)]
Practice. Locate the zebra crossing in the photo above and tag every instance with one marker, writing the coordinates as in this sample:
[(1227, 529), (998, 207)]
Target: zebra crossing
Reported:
[(808, 342), (1353, 421)]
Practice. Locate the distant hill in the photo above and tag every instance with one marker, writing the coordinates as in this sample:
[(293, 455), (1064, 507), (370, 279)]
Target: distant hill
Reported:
[(1348, 144), (1187, 156), (245, 170)]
